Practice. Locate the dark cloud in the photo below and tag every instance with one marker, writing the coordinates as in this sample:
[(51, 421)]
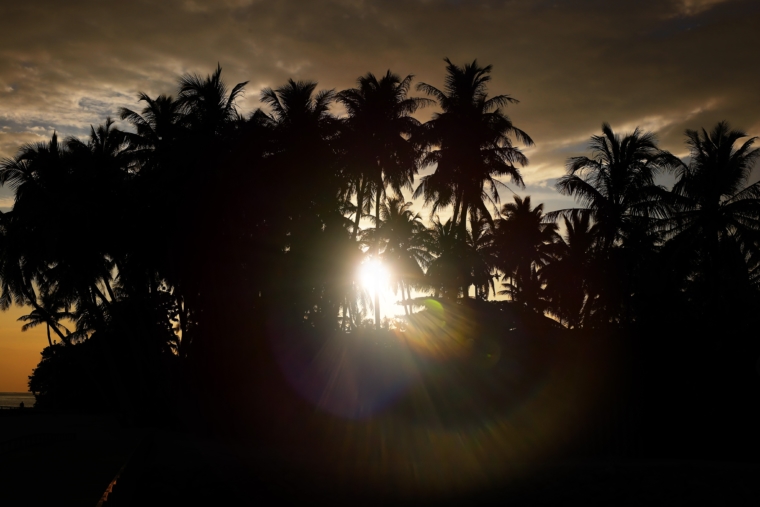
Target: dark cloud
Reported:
[(662, 65)]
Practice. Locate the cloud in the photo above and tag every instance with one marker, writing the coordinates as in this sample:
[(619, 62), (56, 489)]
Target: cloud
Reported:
[(664, 66), (694, 7)]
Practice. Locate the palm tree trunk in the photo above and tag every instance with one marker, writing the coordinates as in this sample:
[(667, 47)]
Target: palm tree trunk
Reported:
[(109, 290), (377, 251), (457, 204), (344, 322), (352, 316), (463, 220), (406, 305), (50, 342), (184, 339), (463, 237), (100, 295), (359, 206), (64, 339)]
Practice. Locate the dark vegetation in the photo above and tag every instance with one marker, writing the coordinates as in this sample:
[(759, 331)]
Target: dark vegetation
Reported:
[(169, 259)]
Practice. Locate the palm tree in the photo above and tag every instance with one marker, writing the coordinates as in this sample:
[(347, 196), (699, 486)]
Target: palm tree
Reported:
[(18, 278), (302, 134), (717, 223), (31, 233), (525, 244), (379, 134), (447, 273), (570, 277), (206, 104), (480, 257), (97, 180), (49, 316), (473, 140), (35, 174), (616, 185), (157, 127), (406, 242)]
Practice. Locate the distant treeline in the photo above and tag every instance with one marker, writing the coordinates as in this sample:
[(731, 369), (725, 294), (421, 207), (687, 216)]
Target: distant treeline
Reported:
[(200, 225)]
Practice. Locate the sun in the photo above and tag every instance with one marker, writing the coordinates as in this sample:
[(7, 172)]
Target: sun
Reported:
[(375, 279), (374, 276)]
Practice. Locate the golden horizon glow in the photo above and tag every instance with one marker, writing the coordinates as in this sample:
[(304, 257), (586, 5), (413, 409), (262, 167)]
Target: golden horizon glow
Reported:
[(19, 351)]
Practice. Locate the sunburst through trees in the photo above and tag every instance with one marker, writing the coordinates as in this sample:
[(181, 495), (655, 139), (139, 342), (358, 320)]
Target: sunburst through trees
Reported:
[(156, 247)]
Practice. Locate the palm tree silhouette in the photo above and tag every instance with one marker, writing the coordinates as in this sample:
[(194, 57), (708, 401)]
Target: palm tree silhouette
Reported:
[(17, 285), (480, 257), (570, 277), (616, 185), (525, 244), (717, 222), (31, 231), (50, 316), (97, 178), (473, 144), (379, 133), (157, 127), (207, 105), (303, 132), (406, 242), (447, 272)]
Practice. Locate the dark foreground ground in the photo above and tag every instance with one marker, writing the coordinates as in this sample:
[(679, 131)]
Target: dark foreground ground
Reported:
[(542, 421), (165, 468)]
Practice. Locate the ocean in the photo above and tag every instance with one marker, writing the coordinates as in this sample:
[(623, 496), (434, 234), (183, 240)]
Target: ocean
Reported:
[(15, 399)]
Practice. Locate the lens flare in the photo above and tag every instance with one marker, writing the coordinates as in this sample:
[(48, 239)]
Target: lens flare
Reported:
[(460, 402)]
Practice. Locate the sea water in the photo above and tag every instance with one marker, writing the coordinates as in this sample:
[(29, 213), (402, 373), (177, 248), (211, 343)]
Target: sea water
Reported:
[(15, 399)]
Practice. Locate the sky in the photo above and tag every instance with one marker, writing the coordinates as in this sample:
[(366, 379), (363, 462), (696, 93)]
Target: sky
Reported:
[(662, 65)]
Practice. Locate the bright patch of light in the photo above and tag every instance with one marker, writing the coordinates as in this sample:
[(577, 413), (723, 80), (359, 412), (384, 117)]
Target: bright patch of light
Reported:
[(374, 276)]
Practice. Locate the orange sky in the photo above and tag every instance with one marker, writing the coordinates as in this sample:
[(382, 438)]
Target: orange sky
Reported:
[(19, 352)]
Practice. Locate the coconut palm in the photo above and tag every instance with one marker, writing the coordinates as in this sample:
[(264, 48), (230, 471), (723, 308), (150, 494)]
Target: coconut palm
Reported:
[(525, 243), (157, 127), (480, 257), (20, 281), (616, 185), (447, 273), (159, 158), (31, 234), (207, 104), (406, 242), (717, 224), (571, 277), (301, 135), (35, 174), (50, 315), (302, 131), (378, 136), (473, 140)]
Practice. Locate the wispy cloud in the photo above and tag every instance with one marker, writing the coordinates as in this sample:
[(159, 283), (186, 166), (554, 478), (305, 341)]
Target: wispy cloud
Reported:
[(572, 65), (694, 7)]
